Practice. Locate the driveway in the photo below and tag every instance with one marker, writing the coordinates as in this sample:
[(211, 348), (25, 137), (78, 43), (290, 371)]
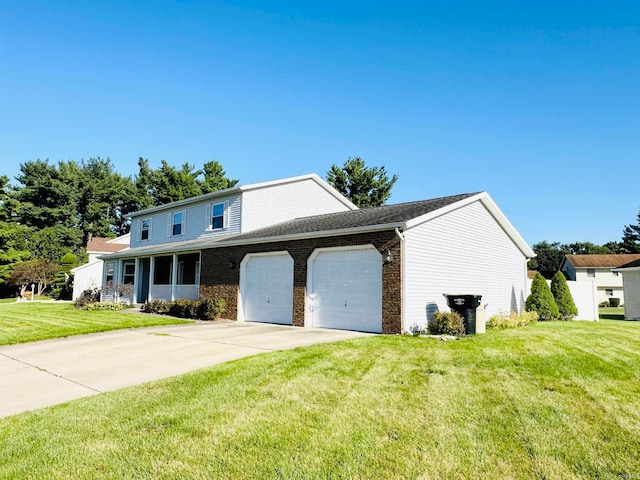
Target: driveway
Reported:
[(40, 374)]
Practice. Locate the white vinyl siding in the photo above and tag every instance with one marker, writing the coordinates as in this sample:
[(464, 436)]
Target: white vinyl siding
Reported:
[(195, 223), (267, 206), (631, 294), (463, 252)]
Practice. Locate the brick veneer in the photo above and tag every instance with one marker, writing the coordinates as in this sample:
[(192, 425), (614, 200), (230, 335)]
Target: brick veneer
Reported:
[(220, 272)]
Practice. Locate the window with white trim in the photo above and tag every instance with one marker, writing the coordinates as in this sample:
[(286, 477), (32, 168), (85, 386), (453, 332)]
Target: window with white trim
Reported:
[(608, 292), (129, 273), (111, 268), (218, 216), (177, 223), (591, 272), (145, 229)]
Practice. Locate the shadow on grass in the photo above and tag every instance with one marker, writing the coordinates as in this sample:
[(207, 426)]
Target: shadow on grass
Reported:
[(614, 316)]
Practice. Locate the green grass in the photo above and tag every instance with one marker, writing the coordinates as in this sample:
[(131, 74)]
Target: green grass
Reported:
[(27, 322), (608, 313), (548, 401)]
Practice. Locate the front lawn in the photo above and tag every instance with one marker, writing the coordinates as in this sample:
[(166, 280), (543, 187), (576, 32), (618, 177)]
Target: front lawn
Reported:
[(552, 400), (26, 321)]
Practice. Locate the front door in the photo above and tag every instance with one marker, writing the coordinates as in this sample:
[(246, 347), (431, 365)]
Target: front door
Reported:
[(143, 283)]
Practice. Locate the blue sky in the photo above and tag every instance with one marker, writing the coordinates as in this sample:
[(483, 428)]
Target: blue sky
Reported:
[(537, 102)]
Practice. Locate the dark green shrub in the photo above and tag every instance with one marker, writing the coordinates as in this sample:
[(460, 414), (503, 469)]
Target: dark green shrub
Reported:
[(604, 304), (562, 296), (159, 307), (446, 323), (614, 302), (210, 309), (184, 308), (87, 297), (541, 300)]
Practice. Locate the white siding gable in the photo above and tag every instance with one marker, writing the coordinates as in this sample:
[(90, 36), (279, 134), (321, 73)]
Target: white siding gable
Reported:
[(303, 197), (464, 251)]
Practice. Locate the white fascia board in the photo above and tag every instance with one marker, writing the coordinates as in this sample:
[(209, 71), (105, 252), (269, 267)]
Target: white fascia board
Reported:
[(492, 207), (626, 269)]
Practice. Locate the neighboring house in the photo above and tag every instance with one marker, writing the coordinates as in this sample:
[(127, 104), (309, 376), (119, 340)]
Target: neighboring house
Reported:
[(631, 280), (379, 269), (89, 276), (598, 269)]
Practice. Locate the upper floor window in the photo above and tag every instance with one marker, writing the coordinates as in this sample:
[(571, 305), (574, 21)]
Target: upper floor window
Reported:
[(608, 292), (219, 216), (591, 272), (177, 223), (145, 228)]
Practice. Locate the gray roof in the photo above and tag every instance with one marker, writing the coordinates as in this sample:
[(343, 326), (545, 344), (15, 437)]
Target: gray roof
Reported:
[(386, 215)]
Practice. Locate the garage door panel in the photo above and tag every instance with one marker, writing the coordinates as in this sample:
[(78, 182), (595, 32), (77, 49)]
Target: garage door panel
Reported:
[(346, 289), (267, 289)]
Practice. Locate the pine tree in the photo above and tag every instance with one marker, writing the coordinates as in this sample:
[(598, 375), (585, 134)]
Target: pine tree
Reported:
[(364, 186), (541, 300), (562, 295)]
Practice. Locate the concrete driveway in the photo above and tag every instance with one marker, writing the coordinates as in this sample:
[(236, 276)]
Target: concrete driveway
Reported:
[(40, 374)]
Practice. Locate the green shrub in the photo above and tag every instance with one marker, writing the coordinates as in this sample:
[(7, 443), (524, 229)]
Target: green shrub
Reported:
[(109, 306), (206, 309), (614, 302), (512, 320), (604, 304), (541, 300), (159, 307), (87, 297), (210, 309), (446, 323), (184, 308), (562, 296)]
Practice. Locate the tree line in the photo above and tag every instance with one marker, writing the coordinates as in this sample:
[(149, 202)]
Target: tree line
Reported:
[(47, 217)]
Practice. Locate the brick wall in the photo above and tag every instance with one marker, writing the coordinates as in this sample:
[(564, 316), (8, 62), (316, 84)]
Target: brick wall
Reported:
[(220, 272)]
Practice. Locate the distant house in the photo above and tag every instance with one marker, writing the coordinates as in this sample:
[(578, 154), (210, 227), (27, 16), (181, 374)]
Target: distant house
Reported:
[(631, 279), (598, 269), (296, 252), (89, 275)]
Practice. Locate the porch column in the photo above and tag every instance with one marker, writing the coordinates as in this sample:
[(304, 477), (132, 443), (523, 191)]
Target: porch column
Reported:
[(174, 276), (152, 269)]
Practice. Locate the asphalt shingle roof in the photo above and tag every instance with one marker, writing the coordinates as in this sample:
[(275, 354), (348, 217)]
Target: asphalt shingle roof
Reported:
[(602, 260), (365, 217)]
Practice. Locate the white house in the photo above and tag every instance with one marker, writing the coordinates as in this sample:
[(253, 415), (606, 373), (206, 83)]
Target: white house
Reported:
[(296, 252), (599, 269), (89, 275), (631, 279)]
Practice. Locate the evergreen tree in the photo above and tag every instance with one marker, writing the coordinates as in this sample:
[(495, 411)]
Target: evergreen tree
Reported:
[(541, 300), (562, 296), (365, 187), (631, 238)]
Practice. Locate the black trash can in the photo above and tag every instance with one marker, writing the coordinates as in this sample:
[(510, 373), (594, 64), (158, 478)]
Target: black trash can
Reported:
[(466, 306)]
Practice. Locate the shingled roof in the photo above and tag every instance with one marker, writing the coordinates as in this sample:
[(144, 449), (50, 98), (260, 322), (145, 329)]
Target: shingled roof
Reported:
[(602, 261), (633, 264), (387, 215), (104, 245)]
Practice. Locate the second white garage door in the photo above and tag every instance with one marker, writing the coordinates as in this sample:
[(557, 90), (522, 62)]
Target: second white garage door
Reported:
[(345, 289), (266, 287)]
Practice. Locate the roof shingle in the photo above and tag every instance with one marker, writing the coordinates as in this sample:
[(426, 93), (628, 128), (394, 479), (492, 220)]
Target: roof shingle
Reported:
[(602, 261)]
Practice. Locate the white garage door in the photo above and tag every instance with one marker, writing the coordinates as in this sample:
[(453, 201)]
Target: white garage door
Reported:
[(346, 289), (266, 287)]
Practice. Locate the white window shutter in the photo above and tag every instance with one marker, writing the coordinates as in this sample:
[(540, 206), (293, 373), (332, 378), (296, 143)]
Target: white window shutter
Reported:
[(183, 230), (207, 218), (225, 218), (169, 224)]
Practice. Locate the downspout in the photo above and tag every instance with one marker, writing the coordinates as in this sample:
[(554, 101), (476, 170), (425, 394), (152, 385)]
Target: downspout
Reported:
[(403, 279)]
